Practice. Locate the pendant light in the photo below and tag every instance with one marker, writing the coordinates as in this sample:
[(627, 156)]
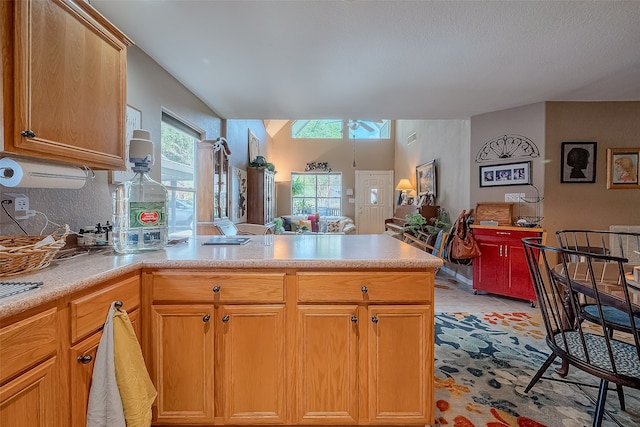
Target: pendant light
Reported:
[(354, 149)]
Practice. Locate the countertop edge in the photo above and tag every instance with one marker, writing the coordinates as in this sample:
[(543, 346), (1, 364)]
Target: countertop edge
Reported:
[(24, 301)]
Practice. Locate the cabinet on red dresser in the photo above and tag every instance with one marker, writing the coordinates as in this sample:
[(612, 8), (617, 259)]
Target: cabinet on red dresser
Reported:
[(502, 267)]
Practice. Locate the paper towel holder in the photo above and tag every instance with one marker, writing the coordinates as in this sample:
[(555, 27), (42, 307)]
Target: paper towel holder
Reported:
[(89, 174)]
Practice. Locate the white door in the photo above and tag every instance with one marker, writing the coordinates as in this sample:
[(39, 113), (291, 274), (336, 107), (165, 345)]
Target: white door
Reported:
[(374, 200)]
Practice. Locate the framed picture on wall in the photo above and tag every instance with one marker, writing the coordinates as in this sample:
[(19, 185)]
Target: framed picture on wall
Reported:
[(623, 168), (426, 179), (238, 195), (506, 174), (578, 162), (254, 146)]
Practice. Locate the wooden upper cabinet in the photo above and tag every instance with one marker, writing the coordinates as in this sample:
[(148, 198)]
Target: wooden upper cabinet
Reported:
[(69, 84)]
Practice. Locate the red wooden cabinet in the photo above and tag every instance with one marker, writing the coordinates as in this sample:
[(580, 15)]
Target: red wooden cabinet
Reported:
[(502, 267)]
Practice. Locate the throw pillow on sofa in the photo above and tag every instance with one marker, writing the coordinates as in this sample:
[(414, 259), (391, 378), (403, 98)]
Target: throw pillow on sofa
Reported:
[(286, 223), (334, 226), (305, 223)]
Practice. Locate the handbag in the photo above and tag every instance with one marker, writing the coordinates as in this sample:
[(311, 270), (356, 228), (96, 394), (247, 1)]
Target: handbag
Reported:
[(463, 245)]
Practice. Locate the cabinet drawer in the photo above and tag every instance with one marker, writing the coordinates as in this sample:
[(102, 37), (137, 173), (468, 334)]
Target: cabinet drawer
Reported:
[(27, 342), (359, 287), (88, 313), (225, 287), (504, 234)]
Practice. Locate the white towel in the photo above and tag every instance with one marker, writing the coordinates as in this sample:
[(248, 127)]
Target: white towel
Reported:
[(105, 405)]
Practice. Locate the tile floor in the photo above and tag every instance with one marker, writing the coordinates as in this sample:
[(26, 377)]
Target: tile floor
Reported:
[(460, 298)]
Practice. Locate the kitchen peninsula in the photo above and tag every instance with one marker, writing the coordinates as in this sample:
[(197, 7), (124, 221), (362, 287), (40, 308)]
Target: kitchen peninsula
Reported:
[(295, 329)]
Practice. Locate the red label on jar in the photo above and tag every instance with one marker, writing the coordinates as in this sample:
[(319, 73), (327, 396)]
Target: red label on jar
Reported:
[(149, 217)]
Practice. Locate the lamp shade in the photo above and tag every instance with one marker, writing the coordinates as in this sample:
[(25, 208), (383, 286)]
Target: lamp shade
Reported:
[(404, 185)]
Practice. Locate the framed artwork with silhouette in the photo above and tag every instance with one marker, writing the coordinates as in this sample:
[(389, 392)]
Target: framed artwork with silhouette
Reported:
[(578, 162)]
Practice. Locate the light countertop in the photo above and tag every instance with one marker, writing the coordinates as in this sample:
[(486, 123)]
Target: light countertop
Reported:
[(360, 251)]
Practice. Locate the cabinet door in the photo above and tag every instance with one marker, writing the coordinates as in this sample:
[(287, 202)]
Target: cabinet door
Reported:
[(182, 341), (70, 76), (327, 366), (269, 198), (30, 400), (401, 364), (488, 270), (253, 378), (518, 279), (83, 357)]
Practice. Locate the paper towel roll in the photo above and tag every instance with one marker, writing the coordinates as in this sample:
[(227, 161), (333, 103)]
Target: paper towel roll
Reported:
[(29, 174)]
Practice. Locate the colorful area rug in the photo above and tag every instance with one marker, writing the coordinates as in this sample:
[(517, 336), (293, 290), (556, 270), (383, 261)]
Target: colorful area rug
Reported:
[(483, 364)]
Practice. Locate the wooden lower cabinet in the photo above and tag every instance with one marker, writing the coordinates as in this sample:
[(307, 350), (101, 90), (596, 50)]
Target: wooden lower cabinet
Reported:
[(327, 366), (260, 347), (30, 400), (183, 361), (252, 364), (400, 364), (29, 371), (398, 358), (83, 357)]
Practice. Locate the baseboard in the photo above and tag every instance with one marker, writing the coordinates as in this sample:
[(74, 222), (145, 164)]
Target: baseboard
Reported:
[(456, 275)]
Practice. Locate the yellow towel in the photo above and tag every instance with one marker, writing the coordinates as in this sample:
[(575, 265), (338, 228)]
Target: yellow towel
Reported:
[(136, 389)]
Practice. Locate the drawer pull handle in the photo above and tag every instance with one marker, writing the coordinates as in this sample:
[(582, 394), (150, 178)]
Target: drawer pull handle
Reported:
[(117, 305), (364, 289), (225, 318), (28, 133), (354, 318), (216, 289), (503, 233), (374, 319), (206, 318), (85, 359)]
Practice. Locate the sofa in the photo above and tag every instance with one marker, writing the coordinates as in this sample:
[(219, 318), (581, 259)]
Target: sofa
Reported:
[(328, 224)]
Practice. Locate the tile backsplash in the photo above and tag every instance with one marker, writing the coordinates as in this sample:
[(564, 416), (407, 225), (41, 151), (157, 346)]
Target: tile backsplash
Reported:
[(78, 208)]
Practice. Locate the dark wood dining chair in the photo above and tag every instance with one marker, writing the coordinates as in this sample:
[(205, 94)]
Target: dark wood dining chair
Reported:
[(563, 278), (606, 242), (618, 243)]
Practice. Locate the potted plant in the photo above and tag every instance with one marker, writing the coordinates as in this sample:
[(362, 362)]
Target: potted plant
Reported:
[(278, 226), (415, 224), (420, 227), (261, 163), (440, 222)]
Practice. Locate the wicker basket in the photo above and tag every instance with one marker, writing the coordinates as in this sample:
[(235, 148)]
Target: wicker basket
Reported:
[(20, 254)]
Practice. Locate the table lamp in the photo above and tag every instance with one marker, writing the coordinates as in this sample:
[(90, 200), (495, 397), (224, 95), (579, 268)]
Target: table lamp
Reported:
[(404, 185)]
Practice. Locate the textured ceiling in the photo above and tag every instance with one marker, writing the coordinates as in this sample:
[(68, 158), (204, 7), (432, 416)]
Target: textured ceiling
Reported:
[(395, 59)]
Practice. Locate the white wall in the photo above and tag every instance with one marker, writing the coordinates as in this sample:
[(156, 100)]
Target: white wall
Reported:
[(446, 141)]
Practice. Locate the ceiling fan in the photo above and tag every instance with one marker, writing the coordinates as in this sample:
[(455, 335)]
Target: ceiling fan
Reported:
[(355, 124)]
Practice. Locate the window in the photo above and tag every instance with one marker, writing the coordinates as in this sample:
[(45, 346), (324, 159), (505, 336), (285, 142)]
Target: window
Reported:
[(316, 192), (178, 145), (340, 129)]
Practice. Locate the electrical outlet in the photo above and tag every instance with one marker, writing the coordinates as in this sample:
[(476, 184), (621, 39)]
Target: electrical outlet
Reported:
[(17, 207), (513, 197)]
